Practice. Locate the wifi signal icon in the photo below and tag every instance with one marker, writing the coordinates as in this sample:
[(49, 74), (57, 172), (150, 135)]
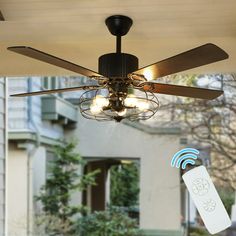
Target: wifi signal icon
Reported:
[(184, 157)]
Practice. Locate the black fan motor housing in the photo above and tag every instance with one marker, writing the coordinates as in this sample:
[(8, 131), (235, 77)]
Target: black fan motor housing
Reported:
[(117, 64)]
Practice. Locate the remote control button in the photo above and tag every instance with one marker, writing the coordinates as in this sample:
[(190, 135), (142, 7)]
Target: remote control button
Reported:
[(200, 186), (209, 205)]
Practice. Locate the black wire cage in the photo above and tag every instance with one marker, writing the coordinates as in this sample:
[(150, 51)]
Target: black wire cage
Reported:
[(98, 104)]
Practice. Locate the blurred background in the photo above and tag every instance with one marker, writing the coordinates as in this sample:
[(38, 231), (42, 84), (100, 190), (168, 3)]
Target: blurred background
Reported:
[(124, 168)]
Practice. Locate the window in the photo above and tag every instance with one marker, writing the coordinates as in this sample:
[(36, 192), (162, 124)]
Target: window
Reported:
[(52, 83)]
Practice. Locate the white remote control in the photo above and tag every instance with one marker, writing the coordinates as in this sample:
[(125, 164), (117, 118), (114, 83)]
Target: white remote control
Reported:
[(207, 200)]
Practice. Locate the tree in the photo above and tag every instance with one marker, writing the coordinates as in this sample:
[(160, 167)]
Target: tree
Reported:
[(212, 124), (60, 216), (125, 185)]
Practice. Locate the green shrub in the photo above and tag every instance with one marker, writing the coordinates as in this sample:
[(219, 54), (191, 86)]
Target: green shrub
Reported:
[(59, 215), (199, 232), (125, 185), (227, 197), (108, 223)]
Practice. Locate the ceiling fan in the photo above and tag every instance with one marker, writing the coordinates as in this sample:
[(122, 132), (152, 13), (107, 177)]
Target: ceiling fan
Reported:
[(119, 75)]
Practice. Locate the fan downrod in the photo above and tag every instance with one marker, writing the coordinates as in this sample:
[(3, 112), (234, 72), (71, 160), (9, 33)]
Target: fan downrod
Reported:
[(118, 64)]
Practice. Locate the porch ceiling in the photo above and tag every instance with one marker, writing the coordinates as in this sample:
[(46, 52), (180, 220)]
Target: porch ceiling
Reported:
[(75, 30)]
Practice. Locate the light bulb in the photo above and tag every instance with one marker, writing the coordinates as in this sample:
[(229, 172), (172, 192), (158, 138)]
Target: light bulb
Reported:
[(95, 109), (100, 101), (127, 162), (148, 74), (130, 101), (122, 113), (143, 106)]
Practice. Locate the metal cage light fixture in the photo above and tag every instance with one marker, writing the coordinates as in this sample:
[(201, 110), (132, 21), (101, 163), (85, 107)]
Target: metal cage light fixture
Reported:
[(106, 104)]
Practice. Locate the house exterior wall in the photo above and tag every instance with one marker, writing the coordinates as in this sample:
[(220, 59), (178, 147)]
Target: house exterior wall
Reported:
[(159, 183), (39, 172), (17, 191), (2, 155), (30, 136), (27, 174), (25, 113)]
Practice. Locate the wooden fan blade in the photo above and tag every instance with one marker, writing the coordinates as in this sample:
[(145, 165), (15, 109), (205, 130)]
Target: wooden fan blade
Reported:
[(56, 61), (196, 57), (54, 91), (181, 90)]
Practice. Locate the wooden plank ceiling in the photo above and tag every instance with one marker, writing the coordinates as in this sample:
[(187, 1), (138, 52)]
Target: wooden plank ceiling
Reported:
[(75, 30)]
